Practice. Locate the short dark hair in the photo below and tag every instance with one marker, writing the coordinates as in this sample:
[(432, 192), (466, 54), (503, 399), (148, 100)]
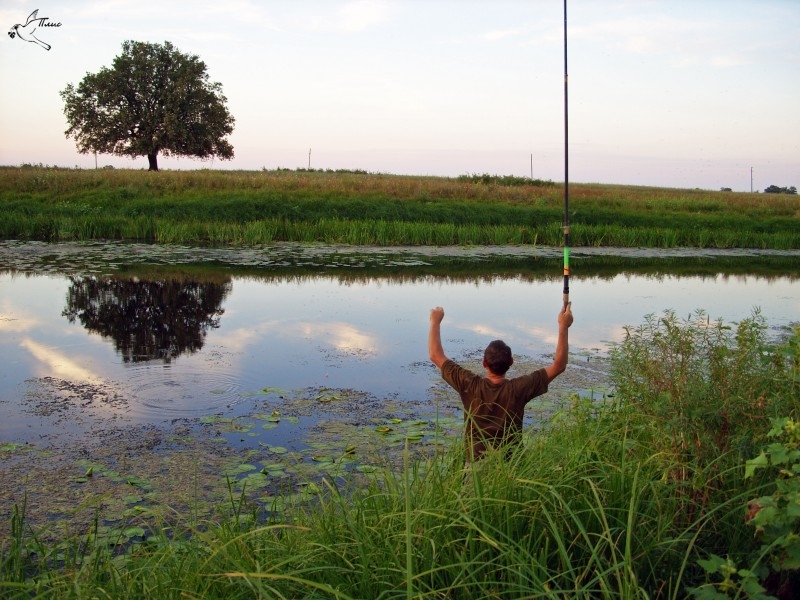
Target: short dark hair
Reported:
[(498, 357)]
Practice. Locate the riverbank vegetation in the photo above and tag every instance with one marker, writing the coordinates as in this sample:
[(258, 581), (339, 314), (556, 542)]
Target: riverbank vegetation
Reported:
[(250, 208), (685, 482)]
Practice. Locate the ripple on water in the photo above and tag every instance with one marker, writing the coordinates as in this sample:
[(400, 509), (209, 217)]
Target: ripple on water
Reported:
[(182, 389)]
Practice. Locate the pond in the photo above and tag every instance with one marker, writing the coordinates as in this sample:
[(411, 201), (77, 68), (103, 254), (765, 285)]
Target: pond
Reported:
[(291, 349), (166, 333)]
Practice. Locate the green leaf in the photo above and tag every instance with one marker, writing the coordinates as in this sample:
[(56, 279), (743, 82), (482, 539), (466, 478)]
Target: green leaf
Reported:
[(708, 592), (9, 446), (779, 454), (759, 462), (712, 564), (274, 390), (133, 532), (777, 426), (793, 509)]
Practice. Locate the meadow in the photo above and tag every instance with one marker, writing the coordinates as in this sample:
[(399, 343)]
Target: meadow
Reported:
[(684, 483), (250, 208)]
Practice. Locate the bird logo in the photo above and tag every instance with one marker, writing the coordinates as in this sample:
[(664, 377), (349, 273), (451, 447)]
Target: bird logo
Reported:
[(26, 32)]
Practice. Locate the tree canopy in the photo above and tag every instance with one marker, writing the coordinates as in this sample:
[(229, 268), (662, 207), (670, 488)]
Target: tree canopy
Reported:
[(774, 189), (154, 99)]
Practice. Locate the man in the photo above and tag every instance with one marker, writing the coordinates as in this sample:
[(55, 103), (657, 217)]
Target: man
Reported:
[(494, 405)]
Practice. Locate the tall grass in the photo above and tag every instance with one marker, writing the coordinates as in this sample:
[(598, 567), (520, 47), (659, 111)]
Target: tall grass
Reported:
[(251, 208), (621, 498)]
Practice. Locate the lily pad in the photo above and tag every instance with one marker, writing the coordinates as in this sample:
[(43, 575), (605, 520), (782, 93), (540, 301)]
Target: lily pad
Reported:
[(254, 480), (244, 468), (322, 459), (136, 531), (274, 390), (10, 446)]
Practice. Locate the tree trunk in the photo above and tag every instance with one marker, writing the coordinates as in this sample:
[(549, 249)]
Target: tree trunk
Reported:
[(152, 160)]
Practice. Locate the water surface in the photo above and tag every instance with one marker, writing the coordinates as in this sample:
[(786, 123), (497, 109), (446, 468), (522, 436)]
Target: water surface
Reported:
[(139, 334)]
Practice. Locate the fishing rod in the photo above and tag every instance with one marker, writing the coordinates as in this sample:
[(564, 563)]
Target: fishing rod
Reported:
[(566, 167)]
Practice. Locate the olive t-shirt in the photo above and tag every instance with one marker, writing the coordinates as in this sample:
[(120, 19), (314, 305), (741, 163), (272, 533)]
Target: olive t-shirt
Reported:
[(493, 412)]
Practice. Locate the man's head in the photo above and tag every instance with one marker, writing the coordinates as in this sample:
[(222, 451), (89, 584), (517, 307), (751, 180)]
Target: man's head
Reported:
[(497, 357)]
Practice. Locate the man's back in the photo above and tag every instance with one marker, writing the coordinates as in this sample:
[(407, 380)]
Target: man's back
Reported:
[(493, 411)]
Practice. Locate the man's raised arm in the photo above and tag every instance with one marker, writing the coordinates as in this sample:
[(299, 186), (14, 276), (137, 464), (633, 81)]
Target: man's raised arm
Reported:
[(435, 350), (562, 346)]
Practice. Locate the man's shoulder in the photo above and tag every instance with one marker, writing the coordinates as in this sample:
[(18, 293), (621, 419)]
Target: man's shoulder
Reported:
[(537, 380), (451, 364), (536, 374), (452, 370)]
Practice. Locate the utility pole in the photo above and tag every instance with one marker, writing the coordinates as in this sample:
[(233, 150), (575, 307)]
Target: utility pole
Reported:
[(751, 180), (309, 159)]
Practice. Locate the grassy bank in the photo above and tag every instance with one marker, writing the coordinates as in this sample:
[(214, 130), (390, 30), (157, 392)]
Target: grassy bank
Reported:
[(245, 208), (685, 483)]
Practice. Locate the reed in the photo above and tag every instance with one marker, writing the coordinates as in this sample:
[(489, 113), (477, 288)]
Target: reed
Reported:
[(259, 207)]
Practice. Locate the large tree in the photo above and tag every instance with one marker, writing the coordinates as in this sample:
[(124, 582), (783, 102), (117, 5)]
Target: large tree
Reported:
[(154, 99)]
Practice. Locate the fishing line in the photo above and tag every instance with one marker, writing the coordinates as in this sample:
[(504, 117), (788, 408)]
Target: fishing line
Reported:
[(566, 167)]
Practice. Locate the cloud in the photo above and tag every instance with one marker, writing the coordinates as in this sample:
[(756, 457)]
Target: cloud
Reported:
[(343, 337), (352, 17), (729, 61), (362, 14), (59, 364), (17, 325), (484, 330), (681, 42), (500, 34), (238, 340)]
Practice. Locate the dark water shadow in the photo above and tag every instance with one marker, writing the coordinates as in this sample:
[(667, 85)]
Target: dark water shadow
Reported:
[(148, 319)]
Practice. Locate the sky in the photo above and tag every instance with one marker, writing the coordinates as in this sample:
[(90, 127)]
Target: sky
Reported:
[(669, 93)]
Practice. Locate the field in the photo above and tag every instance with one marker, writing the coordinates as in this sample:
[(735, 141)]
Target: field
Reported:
[(683, 483), (249, 208)]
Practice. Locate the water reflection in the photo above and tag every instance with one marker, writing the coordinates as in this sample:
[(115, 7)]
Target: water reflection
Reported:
[(147, 319), (152, 336)]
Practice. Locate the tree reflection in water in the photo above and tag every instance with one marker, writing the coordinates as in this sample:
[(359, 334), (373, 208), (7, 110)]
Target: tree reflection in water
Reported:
[(147, 319)]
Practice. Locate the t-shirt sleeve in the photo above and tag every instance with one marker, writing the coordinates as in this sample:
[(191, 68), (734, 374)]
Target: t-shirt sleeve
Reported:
[(533, 384), (460, 379), (457, 376)]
